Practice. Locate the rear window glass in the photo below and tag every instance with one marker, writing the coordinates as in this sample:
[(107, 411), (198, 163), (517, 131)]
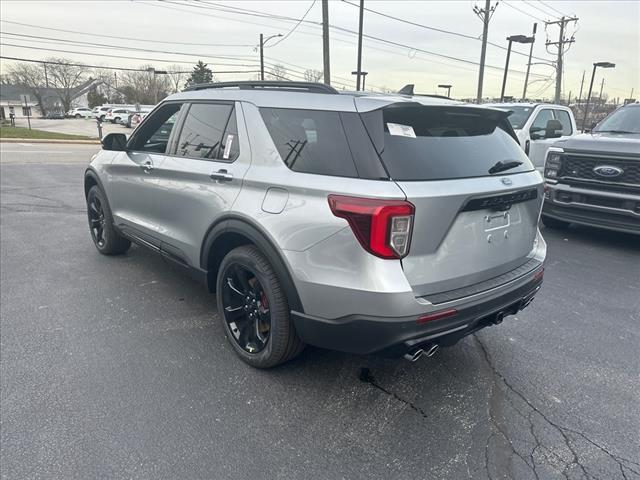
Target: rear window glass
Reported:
[(437, 143), (310, 141)]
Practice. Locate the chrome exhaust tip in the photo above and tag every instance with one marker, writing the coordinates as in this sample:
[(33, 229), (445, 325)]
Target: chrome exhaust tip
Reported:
[(415, 355), (431, 351)]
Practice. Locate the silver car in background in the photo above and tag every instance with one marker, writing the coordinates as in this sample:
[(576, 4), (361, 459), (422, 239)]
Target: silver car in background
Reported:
[(389, 224)]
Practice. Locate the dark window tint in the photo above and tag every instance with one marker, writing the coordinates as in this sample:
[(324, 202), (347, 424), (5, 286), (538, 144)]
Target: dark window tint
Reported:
[(519, 115), (540, 122), (310, 141), (436, 143), (202, 131), (565, 120), (153, 135)]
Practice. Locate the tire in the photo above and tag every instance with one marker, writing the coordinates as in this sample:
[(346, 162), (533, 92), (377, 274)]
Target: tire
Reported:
[(102, 118), (116, 120), (282, 343), (553, 222), (77, 116), (103, 232)]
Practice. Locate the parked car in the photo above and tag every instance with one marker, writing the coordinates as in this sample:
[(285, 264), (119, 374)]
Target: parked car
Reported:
[(137, 118), (80, 112), (101, 112), (114, 115), (127, 119), (363, 223), (594, 178), (538, 126)]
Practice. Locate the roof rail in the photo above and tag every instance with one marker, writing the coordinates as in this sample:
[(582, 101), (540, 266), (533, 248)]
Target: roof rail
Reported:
[(310, 87)]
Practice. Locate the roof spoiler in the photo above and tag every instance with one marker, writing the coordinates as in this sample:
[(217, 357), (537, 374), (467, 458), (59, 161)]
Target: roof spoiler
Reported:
[(409, 90)]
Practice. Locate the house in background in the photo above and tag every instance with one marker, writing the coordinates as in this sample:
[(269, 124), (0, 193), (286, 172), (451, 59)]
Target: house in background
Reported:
[(10, 100)]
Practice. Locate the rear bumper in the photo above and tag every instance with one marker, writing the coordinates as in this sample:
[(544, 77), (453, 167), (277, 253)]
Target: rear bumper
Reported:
[(397, 336), (594, 208)]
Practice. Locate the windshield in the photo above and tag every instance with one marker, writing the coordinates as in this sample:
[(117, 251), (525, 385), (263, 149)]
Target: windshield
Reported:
[(519, 116), (623, 120)]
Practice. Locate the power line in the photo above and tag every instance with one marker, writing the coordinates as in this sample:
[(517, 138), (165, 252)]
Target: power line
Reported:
[(91, 34), (295, 26), (552, 8), (523, 12), (544, 12)]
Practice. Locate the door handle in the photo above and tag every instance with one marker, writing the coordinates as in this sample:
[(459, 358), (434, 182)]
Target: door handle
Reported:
[(147, 166), (222, 175)]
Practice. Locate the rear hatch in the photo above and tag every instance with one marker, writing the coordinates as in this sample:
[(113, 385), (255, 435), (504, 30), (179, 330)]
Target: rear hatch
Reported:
[(477, 196)]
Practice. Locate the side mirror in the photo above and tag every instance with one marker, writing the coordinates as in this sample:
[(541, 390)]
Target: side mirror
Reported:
[(114, 141), (553, 129)]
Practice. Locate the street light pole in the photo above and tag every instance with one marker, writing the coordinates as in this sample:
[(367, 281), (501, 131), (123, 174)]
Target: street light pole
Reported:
[(526, 77), (360, 45), (511, 39), (262, 43), (593, 74)]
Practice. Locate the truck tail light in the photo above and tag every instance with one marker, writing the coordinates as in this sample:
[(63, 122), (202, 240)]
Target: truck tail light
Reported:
[(383, 227)]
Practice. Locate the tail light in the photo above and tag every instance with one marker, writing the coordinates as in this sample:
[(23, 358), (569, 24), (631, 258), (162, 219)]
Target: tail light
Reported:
[(383, 227)]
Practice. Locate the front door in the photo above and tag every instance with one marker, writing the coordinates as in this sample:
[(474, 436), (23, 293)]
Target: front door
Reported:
[(201, 176), (539, 143), (133, 186)]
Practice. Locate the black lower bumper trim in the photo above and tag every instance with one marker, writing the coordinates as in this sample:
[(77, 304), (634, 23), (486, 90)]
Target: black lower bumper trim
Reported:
[(592, 218), (396, 336)]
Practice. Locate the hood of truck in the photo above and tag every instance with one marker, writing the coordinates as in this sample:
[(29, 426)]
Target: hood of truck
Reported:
[(605, 143)]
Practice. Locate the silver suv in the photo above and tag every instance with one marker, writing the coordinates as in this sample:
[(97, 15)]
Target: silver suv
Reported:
[(391, 224)]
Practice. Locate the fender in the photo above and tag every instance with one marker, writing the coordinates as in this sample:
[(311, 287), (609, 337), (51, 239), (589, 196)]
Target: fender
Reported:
[(251, 231), (91, 173)]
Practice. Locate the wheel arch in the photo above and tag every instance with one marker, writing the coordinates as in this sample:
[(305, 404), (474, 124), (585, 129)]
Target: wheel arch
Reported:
[(231, 232), (91, 179)]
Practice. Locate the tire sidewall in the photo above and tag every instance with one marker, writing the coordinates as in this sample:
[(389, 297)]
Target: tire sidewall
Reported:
[(96, 192), (276, 311)]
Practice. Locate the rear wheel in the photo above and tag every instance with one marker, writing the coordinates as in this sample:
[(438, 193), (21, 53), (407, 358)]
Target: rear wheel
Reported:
[(554, 222), (254, 309), (77, 115), (103, 232)]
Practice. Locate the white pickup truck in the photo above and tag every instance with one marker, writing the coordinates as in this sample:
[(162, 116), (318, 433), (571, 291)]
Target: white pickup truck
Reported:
[(538, 126)]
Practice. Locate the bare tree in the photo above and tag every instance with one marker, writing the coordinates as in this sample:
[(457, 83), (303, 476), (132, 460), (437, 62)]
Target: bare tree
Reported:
[(65, 77), (311, 75), (177, 76), (31, 77), (278, 72), (144, 87)]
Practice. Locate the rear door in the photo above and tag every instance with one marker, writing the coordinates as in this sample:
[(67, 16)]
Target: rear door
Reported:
[(470, 225), (201, 177)]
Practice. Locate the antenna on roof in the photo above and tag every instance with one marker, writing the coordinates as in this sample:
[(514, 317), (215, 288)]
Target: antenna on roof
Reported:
[(407, 89)]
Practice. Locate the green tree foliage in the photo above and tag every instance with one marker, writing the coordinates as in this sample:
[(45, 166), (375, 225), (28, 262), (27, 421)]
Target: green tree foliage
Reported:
[(201, 74)]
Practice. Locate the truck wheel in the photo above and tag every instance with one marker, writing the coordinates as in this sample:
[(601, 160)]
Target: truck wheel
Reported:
[(254, 309), (553, 222)]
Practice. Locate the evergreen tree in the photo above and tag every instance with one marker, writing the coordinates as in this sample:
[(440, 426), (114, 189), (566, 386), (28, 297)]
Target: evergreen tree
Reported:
[(201, 74)]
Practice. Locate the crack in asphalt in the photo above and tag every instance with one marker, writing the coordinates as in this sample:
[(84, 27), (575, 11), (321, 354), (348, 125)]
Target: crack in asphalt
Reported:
[(621, 462), (365, 376)]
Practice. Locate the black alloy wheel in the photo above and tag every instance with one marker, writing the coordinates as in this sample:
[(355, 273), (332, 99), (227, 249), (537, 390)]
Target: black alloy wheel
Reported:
[(246, 308), (96, 220)]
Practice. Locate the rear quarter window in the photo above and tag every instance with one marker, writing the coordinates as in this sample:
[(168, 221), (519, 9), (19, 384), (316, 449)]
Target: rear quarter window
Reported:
[(439, 143), (310, 141)]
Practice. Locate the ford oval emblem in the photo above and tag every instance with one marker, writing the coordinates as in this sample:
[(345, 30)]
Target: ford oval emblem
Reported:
[(608, 171), (506, 181)]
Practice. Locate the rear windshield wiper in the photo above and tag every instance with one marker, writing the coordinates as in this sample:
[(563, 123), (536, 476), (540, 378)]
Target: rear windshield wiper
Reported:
[(502, 166), (613, 131)]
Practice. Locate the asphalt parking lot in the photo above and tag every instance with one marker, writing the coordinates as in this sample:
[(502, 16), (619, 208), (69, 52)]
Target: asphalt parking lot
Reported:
[(117, 368)]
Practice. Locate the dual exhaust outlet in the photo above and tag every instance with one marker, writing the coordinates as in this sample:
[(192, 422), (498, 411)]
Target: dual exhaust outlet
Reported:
[(416, 354)]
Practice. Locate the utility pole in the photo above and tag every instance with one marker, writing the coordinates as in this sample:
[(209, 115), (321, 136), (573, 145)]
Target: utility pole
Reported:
[(261, 58), (526, 77), (359, 69), (485, 15), (325, 42), (562, 41), (581, 84)]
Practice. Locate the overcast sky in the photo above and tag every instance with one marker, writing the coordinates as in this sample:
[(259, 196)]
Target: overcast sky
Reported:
[(606, 31)]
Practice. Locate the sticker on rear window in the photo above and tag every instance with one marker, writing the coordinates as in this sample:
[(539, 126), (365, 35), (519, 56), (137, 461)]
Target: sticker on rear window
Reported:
[(227, 147), (401, 130)]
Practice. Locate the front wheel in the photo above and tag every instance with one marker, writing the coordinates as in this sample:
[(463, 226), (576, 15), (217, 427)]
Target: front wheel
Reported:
[(77, 116), (254, 309), (553, 222), (103, 232)]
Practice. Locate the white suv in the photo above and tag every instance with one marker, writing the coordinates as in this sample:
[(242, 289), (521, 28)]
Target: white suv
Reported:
[(80, 112)]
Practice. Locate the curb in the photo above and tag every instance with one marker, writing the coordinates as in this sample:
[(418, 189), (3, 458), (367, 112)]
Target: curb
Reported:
[(46, 140)]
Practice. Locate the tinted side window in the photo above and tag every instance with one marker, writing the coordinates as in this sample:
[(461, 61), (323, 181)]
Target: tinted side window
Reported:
[(565, 120), (230, 145), (202, 130), (153, 135), (540, 123), (310, 141)]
